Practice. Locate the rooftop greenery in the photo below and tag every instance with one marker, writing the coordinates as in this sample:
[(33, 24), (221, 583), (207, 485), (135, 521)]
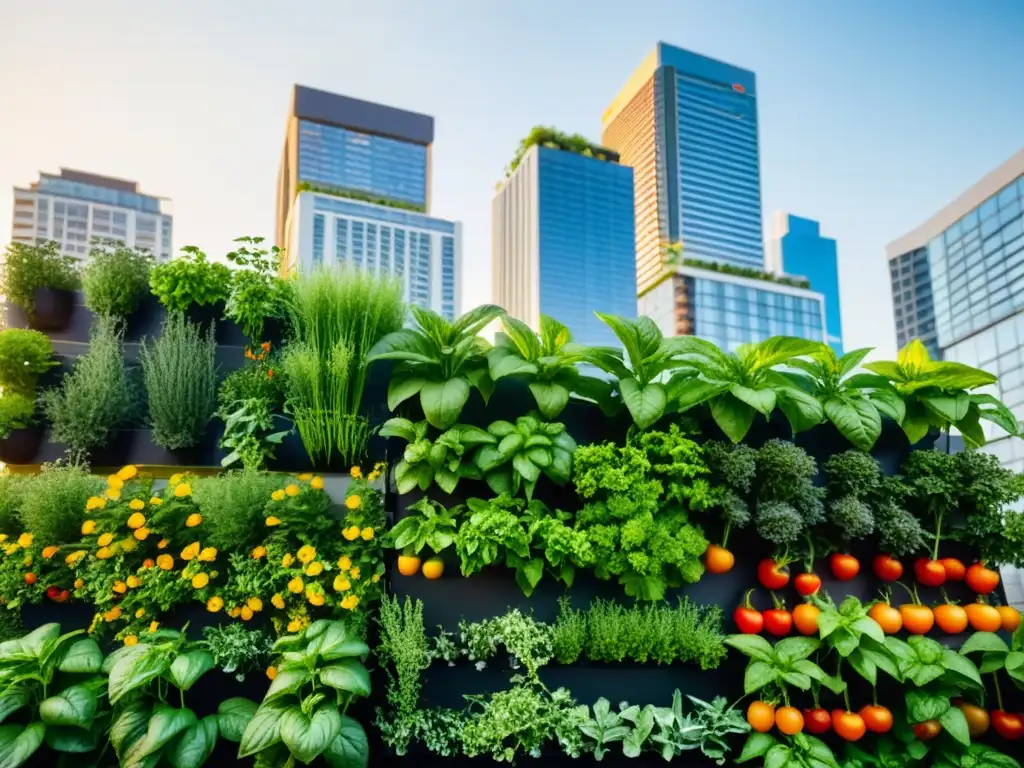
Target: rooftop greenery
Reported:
[(552, 138), (673, 257), (365, 197)]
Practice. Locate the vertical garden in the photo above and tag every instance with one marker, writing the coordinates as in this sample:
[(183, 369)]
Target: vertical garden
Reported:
[(292, 521)]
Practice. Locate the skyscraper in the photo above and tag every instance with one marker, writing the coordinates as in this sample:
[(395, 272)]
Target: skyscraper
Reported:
[(354, 187), (563, 244), (798, 248), (74, 208), (687, 125)]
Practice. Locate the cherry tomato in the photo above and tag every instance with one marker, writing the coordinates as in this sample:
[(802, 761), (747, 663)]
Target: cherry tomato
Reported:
[(951, 619), (844, 567), (771, 574), (807, 583), (984, 618), (817, 721), (927, 730), (877, 719), (981, 579), (747, 618), (718, 559), (917, 619), (789, 720), (929, 572), (978, 721), (778, 622), (887, 617), (1010, 616), (1008, 725), (887, 567), (848, 725), (761, 716), (30, 578), (954, 569), (805, 618)]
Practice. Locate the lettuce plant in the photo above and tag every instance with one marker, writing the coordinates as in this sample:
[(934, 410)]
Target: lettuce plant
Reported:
[(525, 451), (444, 461)]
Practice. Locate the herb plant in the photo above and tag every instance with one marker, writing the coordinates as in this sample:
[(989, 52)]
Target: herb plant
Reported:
[(189, 279), (115, 280), (28, 267), (427, 525), (236, 649), (52, 502), (12, 489), (731, 473), (524, 451), (249, 434), (17, 411), (988, 497), (854, 485), (404, 653), (233, 507), (24, 356), (443, 461), (788, 505), (256, 292), (527, 642)]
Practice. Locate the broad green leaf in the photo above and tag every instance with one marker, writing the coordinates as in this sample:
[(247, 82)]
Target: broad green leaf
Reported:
[(856, 419), (998, 413), (263, 730), (758, 674), (961, 665), (133, 671), (626, 333), (404, 344), (733, 417), (347, 675), (863, 666), (984, 641), (954, 722), (233, 715), (83, 657), (551, 398), (350, 748), (195, 744), (189, 667), (852, 359), (803, 411), (761, 400), (402, 386), (307, 737), (75, 705), (129, 727), (68, 738), (522, 336), (503, 362), (922, 706), (525, 467), (754, 646), (888, 369), (889, 403), (11, 701), (29, 646), (165, 723), (778, 757), (696, 391), (19, 742), (757, 745), (949, 408), (288, 680), (646, 404), (443, 401), (529, 574), (398, 427), (472, 322), (793, 648)]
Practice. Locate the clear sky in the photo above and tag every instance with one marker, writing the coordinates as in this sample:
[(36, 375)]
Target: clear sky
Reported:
[(874, 113)]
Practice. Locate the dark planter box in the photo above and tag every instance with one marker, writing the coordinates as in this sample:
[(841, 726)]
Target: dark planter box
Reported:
[(22, 446), (53, 309)]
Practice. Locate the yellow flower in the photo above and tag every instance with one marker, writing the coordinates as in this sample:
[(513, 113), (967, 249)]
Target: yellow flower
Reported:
[(10, 549), (354, 573), (344, 563), (314, 569), (350, 602), (49, 552), (271, 672), (277, 495), (131, 640), (341, 584), (317, 483), (113, 614), (127, 472), (259, 552), (142, 534), (373, 475), (113, 494), (287, 560), (120, 587), (234, 612), (304, 477), (367, 534), (115, 483), (183, 490), (245, 613), (277, 601), (74, 557), (156, 501), (129, 545), (208, 554), (149, 562), (190, 551), (28, 561), (356, 472), (291, 489), (306, 553), (200, 580), (136, 520), (272, 521), (255, 604), (95, 502), (174, 479), (104, 552), (193, 520), (133, 581), (136, 504), (165, 562), (105, 539), (354, 501), (140, 613), (89, 526), (3, 538), (214, 604), (162, 544), (295, 585), (25, 540), (351, 533), (154, 626), (315, 598), (294, 625), (79, 583)]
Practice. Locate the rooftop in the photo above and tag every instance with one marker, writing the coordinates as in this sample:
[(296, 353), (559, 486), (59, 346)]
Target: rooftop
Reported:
[(366, 116)]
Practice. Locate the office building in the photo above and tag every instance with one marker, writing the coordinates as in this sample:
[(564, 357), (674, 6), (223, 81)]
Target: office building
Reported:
[(687, 125), (563, 242), (797, 247), (75, 208), (354, 187)]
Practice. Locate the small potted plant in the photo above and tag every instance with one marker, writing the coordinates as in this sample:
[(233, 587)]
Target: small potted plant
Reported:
[(24, 356), (41, 281), (115, 280), (257, 298), (191, 283), (20, 434)]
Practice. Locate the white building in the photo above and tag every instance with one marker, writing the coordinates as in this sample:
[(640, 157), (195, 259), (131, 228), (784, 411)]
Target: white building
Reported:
[(74, 208)]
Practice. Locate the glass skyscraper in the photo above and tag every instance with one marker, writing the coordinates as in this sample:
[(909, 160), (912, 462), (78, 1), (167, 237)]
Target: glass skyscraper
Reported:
[(563, 242)]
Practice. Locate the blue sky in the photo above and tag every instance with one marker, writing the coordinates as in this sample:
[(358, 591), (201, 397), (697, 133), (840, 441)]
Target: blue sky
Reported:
[(873, 113)]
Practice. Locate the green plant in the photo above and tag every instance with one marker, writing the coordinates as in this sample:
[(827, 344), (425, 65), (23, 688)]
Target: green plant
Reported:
[(251, 382), (568, 633), (439, 361), (12, 490), (96, 397), (548, 360), (337, 316), (189, 279), (784, 665), (444, 461), (249, 435), (237, 650), (428, 525), (303, 714), (115, 279), (603, 728), (855, 636), (997, 656), (527, 642), (526, 450), (755, 274), (738, 385), (24, 356), (233, 507), (555, 547), (28, 267), (490, 533), (788, 504), (256, 292), (17, 411), (854, 487), (179, 370), (404, 653), (552, 138), (988, 498), (707, 728), (931, 481), (938, 394), (800, 751), (52, 502), (57, 678), (731, 473), (355, 194)]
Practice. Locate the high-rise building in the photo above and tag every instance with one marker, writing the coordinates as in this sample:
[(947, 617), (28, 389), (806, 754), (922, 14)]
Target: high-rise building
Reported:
[(797, 247), (563, 244), (687, 125), (354, 188), (75, 208)]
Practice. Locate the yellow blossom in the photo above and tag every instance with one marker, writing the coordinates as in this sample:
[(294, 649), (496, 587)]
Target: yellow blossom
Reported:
[(295, 585), (255, 604), (105, 539), (259, 552), (304, 477), (306, 553), (356, 472), (271, 672), (291, 489), (183, 490), (294, 625), (104, 553), (149, 562), (140, 613), (113, 614), (200, 580), (3, 538), (156, 501), (74, 557), (193, 520), (79, 583), (341, 584), (315, 598), (354, 501), (49, 552), (165, 562), (234, 612), (272, 521), (162, 544), (141, 534), (89, 526), (351, 533), (95, 502), (344, 563), (25, 540), (127, 472), (366, 534), (277, 601), (317, 483), (133, 581), (287, 560), (10, 549), (136, 504), (350, 602), (245, 613), (174, 479), (190, 551), (28, 562), (114, 482), (120, 587), (375, 578), (136, 520), (277, 495), (113, 494), (131, 640), (208, 554), (314, 569), (129, 545), (373, 475), (214, 604), (154, 626), (354, 573)]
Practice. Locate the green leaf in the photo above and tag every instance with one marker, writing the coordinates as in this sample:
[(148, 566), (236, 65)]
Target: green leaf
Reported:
[(11, 701), (761, 400), (233, 715), (863, 666), (778, 757), (165, 723), (954, 662), (399, 427), (472, 322), (195, 745), (646, 404), (402, 386), (922, 706), (129, 727), (502, 362), (984, 641), (889, 403), (443, 401), (757, 745), (754, 646), (733, 417), (133, 671), (757, 676), (803, 411), (551, 397), (189, 667), (852, 359), (75, 705), (19, 742), (857, 419), (350, 748), (949, 408), (83, 657), (347, 675), (68, 738), (288, 681), (263, 730), (696, 391), (793, 648), (869, 627), (307, 737), (955, 724), (529, 574)]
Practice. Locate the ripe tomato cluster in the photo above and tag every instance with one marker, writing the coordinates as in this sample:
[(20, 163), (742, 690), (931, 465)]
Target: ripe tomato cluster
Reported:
[(846, 724)]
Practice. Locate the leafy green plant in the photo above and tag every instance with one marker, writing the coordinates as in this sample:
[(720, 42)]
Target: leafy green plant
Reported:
[(404, 654), (115, 279), (256, 292), (17, 411), (249, 434), (568, 633), (189, 279), (555, 547), (12, 489), (24, 356), (96, 397), (303, 714), (358, 194), (708, 728), (800, 751), (854, 488), (731, 473), (439, 361), (738, 385), (552, 138), (251, 382), (528, 642), (179, 370), (28, 267), (443, 461), (52, 502), (938, 394), (921, 660), (603, 728), (491, 532), (236, 649), (233, 508), (788, 505), (784, 665), (997, 656), (987, 498), (526, 450), (337, 318), (57, 679), (855, 636), (428, 525), (548, 360)]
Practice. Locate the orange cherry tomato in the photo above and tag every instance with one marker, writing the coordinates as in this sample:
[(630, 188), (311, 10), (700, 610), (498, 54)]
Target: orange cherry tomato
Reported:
[(927, 730), (917, 619), (718, 559), (887, 617), (844, 567), (978, 721), (984, 618), (955, 570), (951, 619), (789, 720), (1010, 616), (848, 725), (761, 716), (807, 584), (981, 579), (805, 618), (877, 719), (408, 565)]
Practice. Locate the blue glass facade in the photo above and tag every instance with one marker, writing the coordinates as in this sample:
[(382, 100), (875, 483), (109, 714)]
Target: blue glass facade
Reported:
[(586, 244), (55, 185), (913, 301), (337, 157), (804, 252)]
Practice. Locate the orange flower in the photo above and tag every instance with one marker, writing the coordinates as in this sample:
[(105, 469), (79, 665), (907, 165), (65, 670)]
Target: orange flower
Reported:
[(49, 552), (136, 520), (165, 562), (265, 346), (270, 373), (149, 562), (214, 604), (271, 672)]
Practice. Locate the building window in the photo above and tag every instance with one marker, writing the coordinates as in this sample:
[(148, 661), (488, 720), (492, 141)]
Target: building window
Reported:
[(318, 239), (341, 240)]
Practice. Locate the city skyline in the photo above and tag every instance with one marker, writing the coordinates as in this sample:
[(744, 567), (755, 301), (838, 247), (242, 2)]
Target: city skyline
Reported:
[(865, 173)]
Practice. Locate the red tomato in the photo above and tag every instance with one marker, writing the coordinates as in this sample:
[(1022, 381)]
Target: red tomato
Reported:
[(771, 574), (778, 622), (955, 569), (928, 730), (1008, 725), (844, 567), (981, 579), (749, 621), (817, 721), (929, 572), (848, 725), (807, 583), (887, 567), (877, 719)]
